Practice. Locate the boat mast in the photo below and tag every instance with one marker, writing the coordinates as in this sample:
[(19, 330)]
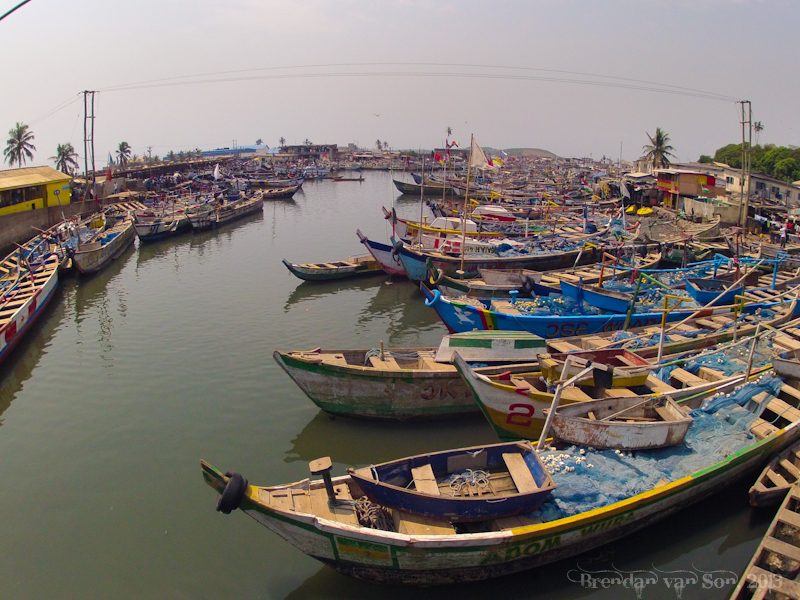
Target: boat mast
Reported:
[(466, 199), (421, 193)]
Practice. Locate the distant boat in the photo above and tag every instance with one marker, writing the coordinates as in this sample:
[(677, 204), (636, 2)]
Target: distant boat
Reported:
[(355, 266), (461, 485), (280, 193), (706, 290), (214, 214)]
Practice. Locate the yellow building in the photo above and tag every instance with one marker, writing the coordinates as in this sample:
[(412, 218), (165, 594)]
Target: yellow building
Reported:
[(32, 188)]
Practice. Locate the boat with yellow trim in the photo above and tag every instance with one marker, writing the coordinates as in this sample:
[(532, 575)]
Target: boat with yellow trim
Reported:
[(600, 496)]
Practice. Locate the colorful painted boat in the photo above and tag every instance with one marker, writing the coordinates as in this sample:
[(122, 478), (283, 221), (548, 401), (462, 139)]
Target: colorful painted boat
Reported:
[(498, 283), (28, 282), (597, 296), (621, 423), (417, 262), (777, 478), (461, 485), (386, 255), (424, 551), (514, 404), (428, 188), (465, 314), (107, 245), (355, 266), (626, 368), (403, 383)]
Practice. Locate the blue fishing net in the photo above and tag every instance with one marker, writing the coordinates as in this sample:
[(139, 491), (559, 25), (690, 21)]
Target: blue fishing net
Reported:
[(589, 478)]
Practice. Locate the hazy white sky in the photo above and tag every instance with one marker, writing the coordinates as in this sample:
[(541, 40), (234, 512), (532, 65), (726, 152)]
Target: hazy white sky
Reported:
[(52, 49)]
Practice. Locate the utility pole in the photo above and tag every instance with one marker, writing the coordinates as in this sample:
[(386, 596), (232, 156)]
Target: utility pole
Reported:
[(747, 137), (88, 138)]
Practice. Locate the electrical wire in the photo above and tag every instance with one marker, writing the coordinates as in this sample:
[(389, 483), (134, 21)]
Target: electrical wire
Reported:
[(599, 79)]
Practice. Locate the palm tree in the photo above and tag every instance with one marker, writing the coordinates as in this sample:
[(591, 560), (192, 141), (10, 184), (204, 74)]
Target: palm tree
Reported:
[(759, 127), (379, 144), (282, 141), (658, 151), (259, 141), (123, 153), (19, 146), (385, 145), (65, 158)]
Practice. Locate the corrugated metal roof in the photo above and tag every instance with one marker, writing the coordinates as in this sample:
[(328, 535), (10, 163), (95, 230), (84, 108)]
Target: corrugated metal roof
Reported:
[(16, 178)]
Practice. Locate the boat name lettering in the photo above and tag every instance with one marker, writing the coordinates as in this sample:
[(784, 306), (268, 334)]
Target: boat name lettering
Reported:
[(607, 524), (568, 329), (524, 549)]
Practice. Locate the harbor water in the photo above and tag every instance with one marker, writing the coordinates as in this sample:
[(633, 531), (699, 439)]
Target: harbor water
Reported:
[(164, 358)]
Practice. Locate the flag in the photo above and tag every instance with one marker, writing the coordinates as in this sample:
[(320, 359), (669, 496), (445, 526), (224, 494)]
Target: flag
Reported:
[(478, 157), (216, 172), (503, 155), (497, 162), (438, 158), (451, 144), (624, 190)]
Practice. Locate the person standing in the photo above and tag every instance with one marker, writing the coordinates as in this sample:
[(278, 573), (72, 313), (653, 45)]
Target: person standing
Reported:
[(783, 235)]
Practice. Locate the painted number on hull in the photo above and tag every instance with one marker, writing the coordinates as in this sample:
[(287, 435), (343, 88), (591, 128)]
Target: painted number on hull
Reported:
[(520, 415), (566, 329)]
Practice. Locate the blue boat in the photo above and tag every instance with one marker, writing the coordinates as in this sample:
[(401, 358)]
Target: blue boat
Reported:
[(706, 290), (461, 485), (462, 315), (610, 300)]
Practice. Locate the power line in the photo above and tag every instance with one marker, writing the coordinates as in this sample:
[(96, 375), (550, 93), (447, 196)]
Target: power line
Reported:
[(675, 91), (18, 6), (643, 84)]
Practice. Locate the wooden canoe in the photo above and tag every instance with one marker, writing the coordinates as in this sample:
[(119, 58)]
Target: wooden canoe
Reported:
[(412, 549), (782, 472), (461, 485), (626, 368), (106, 246), (622, 423), (354, 266)]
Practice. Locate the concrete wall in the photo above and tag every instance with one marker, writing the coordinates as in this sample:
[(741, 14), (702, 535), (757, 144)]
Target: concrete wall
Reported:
[(728, 214), (18, 228)]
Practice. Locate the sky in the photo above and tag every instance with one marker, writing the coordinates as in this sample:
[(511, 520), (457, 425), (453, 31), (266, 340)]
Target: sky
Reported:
[(563, 75)]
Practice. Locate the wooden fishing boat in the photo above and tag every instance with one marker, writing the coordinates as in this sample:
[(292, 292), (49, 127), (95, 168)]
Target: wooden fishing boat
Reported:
[(706, 290), (355, 266), (597, 296), (427, 189), (467, 314), (385, 254), (665, 227), (402, 383), (108, 244), (777, 478), (392, 546), (416, 262), (498, 283), (622, 423), (280, 193), (28, 282), (461, 485), (214, 214), (625, 368), (152, 225), (774, 569)]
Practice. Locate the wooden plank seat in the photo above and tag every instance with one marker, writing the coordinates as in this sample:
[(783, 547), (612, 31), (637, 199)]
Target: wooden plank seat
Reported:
[(656, 385), (563, 346), (618, 393), (424, 480), (686, 378), (520, 473), (786, 342), (761, 429), (412, 524), (388, 363)]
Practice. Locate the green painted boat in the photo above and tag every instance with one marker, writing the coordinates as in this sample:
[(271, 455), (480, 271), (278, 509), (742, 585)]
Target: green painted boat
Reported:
[(403, 383), (354, 266)]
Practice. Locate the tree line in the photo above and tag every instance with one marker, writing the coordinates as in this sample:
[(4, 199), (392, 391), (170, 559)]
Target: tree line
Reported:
[(780, 162)]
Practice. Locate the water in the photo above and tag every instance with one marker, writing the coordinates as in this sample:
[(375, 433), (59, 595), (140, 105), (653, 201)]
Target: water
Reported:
[(166, 357)]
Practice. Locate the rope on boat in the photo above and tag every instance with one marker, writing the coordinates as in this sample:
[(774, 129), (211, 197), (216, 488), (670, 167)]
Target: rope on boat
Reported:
[(469, 478), (401, 355), (373, 515)]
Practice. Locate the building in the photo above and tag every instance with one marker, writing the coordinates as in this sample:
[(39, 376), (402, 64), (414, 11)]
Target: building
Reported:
[(312, 151), (32, 188), (677, 183)]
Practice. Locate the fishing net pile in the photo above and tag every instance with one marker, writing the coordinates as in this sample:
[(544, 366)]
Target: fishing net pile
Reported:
[(590, 478)]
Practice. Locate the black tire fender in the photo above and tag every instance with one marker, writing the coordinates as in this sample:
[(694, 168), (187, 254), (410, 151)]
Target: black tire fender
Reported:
[(232, 494), (396, 248)]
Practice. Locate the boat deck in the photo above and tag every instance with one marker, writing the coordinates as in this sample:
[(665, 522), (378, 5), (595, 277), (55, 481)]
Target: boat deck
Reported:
[(775, 566)]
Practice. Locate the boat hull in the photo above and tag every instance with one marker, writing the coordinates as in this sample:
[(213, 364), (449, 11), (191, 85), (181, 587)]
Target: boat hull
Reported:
[(384, 254), (94, 260), (370, 394), (26, 315), (330, 274), (430, 560)]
